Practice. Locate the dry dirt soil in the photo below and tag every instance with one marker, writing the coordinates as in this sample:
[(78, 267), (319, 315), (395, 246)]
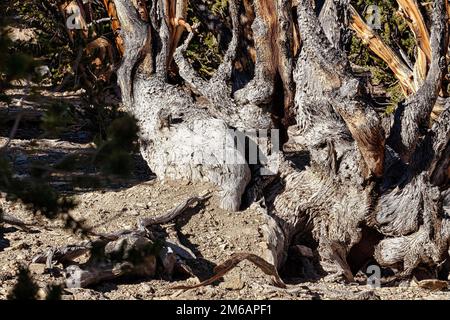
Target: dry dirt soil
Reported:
[(211, 233)]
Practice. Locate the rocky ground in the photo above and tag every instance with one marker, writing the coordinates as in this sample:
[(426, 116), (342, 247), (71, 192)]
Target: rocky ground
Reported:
[(211, 233)]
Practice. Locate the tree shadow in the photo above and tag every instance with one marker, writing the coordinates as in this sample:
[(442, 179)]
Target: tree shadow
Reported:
[(201, 267), (81, 176), (87, 117), (4, 243)]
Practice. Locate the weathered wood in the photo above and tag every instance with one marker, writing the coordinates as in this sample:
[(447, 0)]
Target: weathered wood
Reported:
[(80, 278), (411, 77), (62, 254), (196, 142), (115, 24), (126, 252), (128, 255), (377, 45), (358, 197), (414, 114), (11, 220), (225, 267), (172, 214), (417, 24)]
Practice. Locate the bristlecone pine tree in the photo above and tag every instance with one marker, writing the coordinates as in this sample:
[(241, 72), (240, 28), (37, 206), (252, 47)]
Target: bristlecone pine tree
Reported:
[(354, 184)]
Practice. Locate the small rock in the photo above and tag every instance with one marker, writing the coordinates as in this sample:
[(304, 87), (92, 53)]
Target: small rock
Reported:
[(205, 193), (147, 288), (234, 283), (192, 281), (20, 257), (37, 268), (406, 284)]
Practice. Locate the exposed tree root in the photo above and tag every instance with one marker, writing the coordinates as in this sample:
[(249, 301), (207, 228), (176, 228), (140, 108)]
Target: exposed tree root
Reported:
[(362, 174)]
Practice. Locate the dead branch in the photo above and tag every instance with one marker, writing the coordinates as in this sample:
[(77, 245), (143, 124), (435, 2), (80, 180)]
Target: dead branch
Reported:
[(115, 25), (415, 113), (231, 263), (417, 24), (172, 214), (62, 254), (362, 121), (120, 248), (377, 45), (11, 220)]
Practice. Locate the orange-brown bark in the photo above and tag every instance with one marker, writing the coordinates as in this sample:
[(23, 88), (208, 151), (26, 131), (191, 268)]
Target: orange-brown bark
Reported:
[(417, 24), (115, 24), (376, 44)]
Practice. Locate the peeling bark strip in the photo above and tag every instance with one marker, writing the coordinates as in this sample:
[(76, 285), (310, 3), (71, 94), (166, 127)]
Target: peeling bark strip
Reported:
[(417, 24), (414, 115), (410, 80), (231, 263), (176, 16), (376, 44), (362, 121), (115, 24), (340, 184)]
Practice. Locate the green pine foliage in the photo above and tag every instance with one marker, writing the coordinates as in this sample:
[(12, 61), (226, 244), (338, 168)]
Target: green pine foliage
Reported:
[(117, 134), (395, 32), (113, 154), (27, 289), (204, 51), (54, 292), (13, 65)]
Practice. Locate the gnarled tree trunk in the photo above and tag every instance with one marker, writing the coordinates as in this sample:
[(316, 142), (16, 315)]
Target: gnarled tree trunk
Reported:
[(359, 186)]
